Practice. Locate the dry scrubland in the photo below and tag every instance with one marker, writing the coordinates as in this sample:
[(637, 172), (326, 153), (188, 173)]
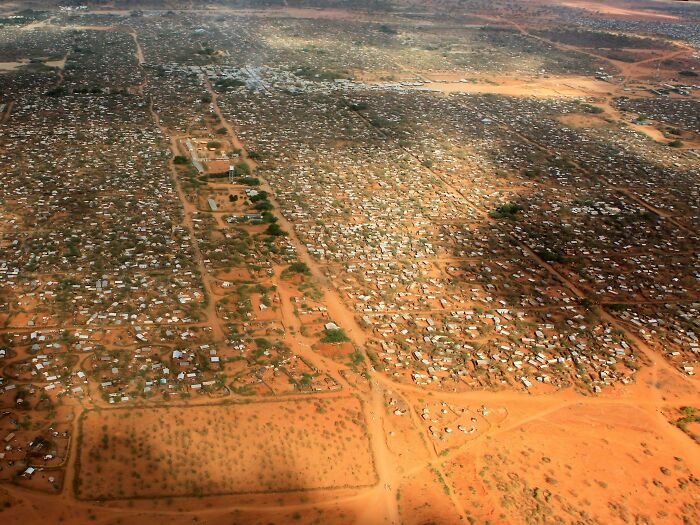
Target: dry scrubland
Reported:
[(195, 451), (595, 465)]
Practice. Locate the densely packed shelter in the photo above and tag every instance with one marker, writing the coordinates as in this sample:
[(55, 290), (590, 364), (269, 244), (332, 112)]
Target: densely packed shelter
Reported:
[(201, 207)]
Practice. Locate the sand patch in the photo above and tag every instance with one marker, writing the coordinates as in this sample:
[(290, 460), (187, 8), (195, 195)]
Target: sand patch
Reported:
[(540, 87), (610, 463), (619, 11)]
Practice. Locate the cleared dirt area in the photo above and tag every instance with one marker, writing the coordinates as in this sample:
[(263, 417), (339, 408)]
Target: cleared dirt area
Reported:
[(516, 87), (595, 121), (290, 445), (596, 464), (585, 121), (417, 508), (619, 11)]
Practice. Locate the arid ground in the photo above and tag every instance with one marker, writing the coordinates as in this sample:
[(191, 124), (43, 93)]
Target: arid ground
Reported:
[(350, 262)]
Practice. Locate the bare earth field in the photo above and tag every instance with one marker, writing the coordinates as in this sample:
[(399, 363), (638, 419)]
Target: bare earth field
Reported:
[(514, 87), (605, 9), (575, 464), (271, 447)]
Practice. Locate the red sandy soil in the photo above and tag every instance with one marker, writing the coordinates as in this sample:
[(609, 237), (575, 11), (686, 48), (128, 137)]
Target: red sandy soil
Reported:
[(293, 445), (605, 463), (624, 9)]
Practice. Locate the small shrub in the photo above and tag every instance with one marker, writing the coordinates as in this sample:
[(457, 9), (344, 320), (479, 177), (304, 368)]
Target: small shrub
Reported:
[(506, 211), (299, 267), (243, 168), (595, 110), (275, 230), (250, 181), (335, 335)]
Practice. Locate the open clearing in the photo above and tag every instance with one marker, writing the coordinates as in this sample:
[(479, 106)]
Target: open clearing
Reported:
[(619, 11), (598, 464), (270, 447), (533, 87)]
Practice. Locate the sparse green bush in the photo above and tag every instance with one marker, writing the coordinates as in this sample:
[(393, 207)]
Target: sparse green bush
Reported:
[(299, 267), (506, 211), (335, 335), (275, 230), (243, 168)]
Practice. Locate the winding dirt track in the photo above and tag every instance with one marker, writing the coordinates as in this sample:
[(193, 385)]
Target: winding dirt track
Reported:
[(189, 209), (375, 404)]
